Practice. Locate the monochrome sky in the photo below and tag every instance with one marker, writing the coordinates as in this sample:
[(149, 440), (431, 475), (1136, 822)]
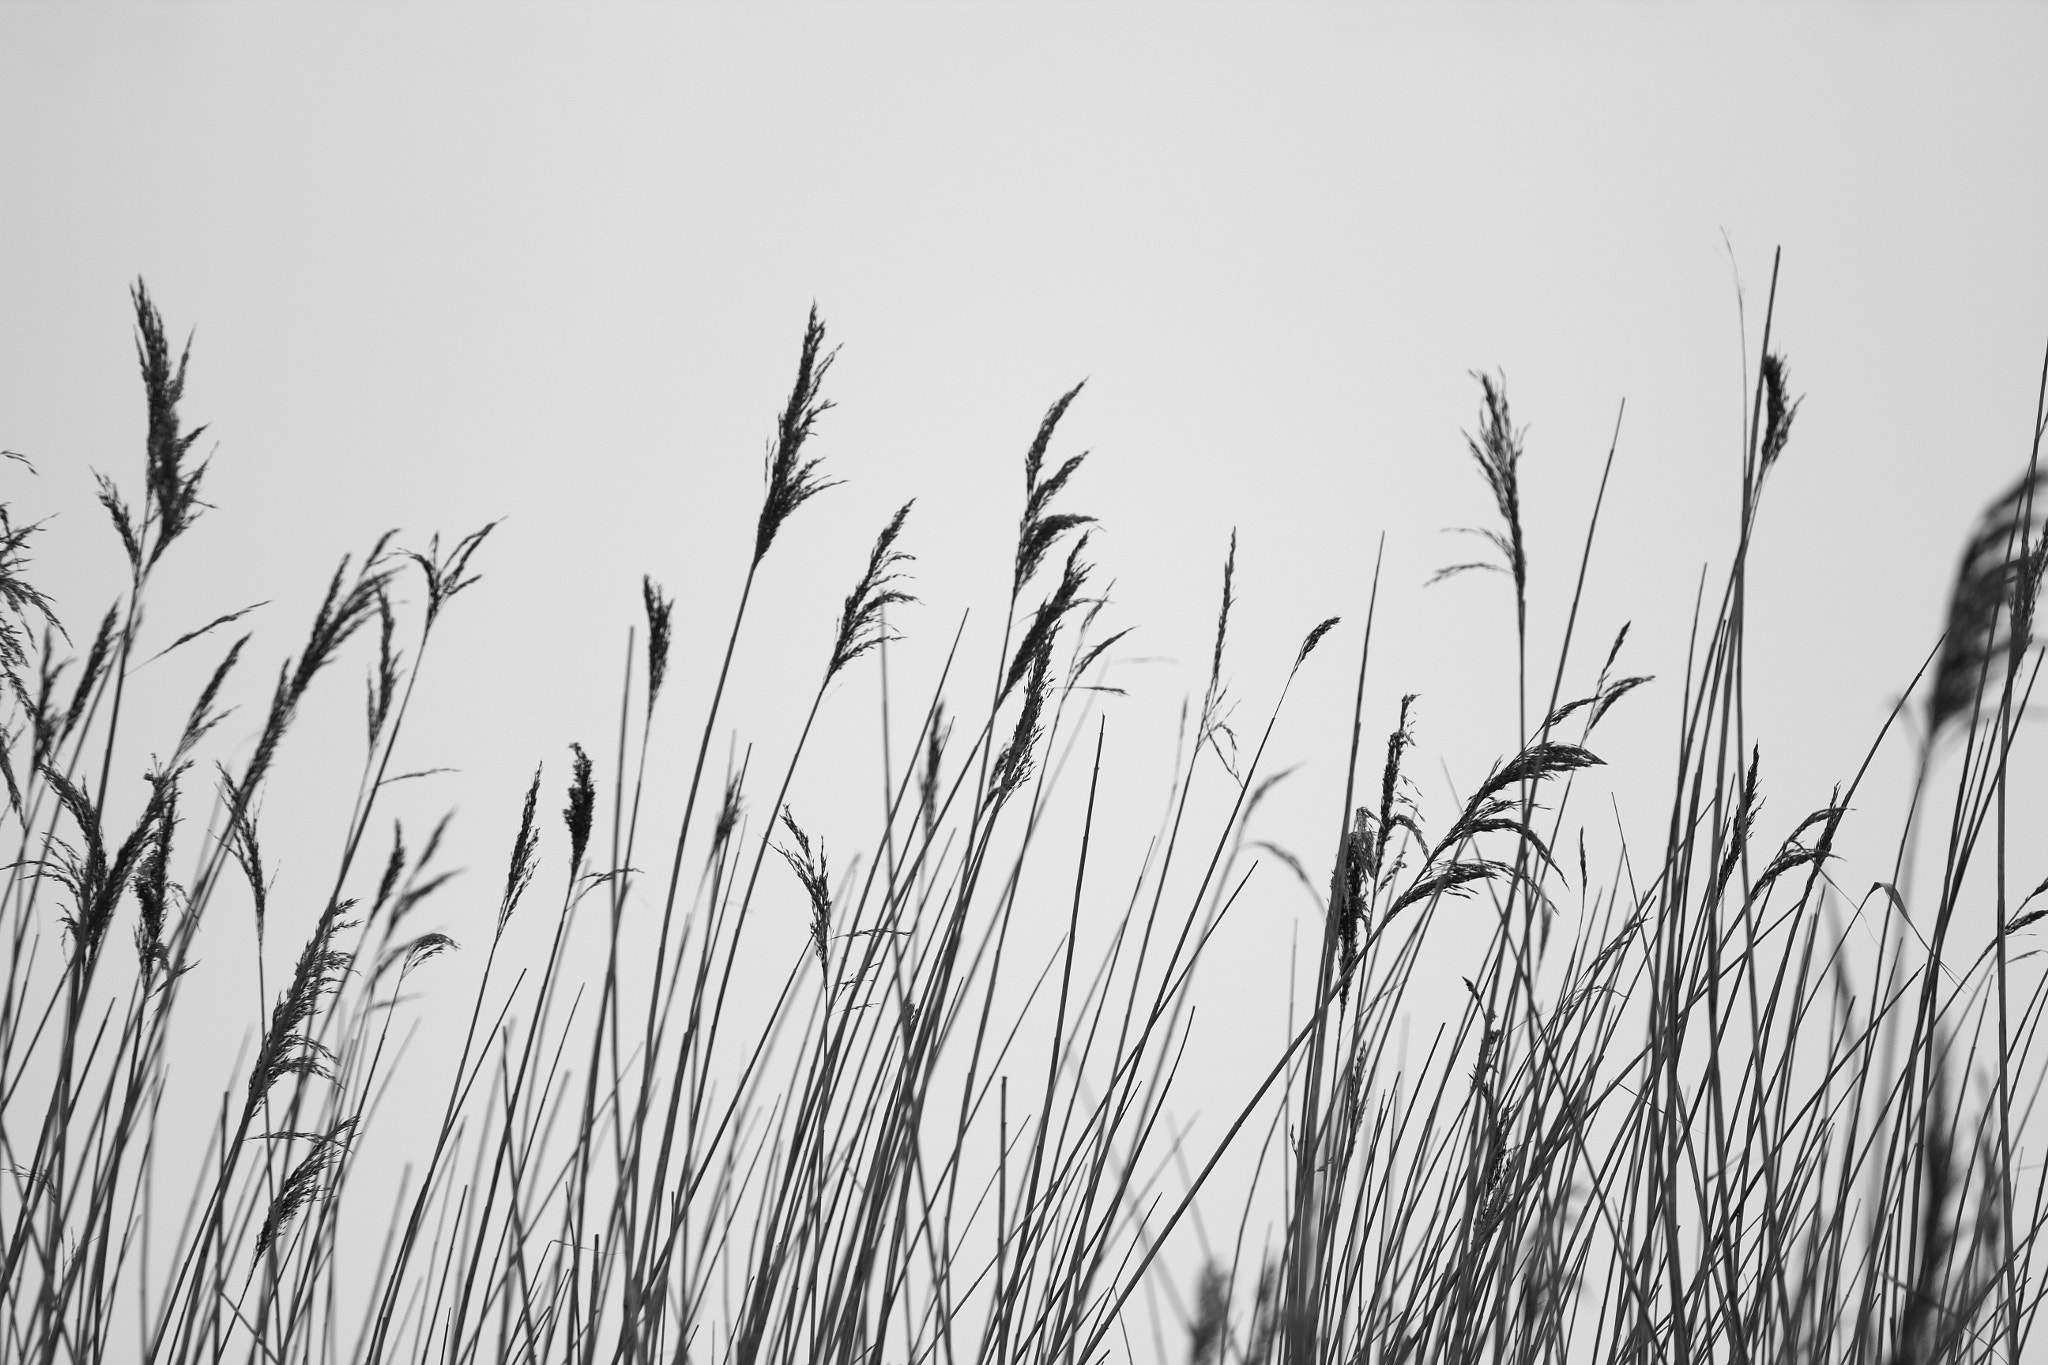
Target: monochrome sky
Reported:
[(446, 264)]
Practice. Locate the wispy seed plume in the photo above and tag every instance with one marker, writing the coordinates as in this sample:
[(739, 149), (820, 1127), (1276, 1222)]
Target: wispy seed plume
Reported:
[(95, 666), (449, 576), (860, 620), (660, 609), (928, 780), (204, 717), (1978, 639), (810, 869), (20, 598), (1315, 637), (577, 814), (519, 875), (793, 480), (1778, 410), (306, 1183), (730, 807), (1015, 764), (1214, 729), (288, 1048), (347, 607), (1041, 528), (393, 867), (382, 689), (173, 490), (152, 878), (1035, 648), (409, 955), (1497, 449), (247, 850)]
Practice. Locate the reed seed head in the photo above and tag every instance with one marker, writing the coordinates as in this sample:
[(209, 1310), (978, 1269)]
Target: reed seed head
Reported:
[(1497, 449), (1778, 410), (450, 575), (152, 879), (792, 479), (173, 490), (1036, 646), (1994, 578), (382, 689), (1041, 528), (307, 1182), (394, 867), (811, 871), (289, 1048), (660, 609), (1315, 637), (19, 598), (1014, 765), (1214, 728), (525, 848), (861, 620), (582, 802)]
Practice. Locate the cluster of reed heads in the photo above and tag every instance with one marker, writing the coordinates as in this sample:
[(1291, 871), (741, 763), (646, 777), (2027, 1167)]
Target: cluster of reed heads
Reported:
[(1679, 1114)]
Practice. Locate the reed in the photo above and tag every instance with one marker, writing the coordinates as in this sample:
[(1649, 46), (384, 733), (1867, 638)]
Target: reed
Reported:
[(1681, 1112)]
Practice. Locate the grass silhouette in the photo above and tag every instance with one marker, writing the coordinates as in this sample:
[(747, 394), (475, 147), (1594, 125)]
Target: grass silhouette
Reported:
[(1673, 1119)]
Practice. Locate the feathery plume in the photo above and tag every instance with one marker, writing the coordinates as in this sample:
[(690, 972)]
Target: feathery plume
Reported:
[(1978, 638), (519, 875), (411, 954), (447, 577), (1045, 622), (1315, 637), (347, 608), (860, 620), (306, 1182), (1778, 412), (124, 523), (1040, 528), (152, 878), (1497, 450), (793, 480), (1349, 885), (1014, 765), (1540, 760), (928, 779), (729, 808), (576, 815), (1214, 728), (289, 1049), (394, 867), (18, 596), (811, 871), (247, 851), (173, 491), (95, 665), (94, 880), (1390, 788), (659, 611), (382, 689), (204, 717)]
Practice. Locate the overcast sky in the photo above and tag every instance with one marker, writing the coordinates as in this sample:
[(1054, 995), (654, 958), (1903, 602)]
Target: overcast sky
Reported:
[(453, 263)]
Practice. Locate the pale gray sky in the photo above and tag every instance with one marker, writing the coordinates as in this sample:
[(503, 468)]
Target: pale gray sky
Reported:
[(448, 263)]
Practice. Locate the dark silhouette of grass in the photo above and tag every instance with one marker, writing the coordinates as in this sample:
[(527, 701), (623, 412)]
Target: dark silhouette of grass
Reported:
[(1672, 1120)]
